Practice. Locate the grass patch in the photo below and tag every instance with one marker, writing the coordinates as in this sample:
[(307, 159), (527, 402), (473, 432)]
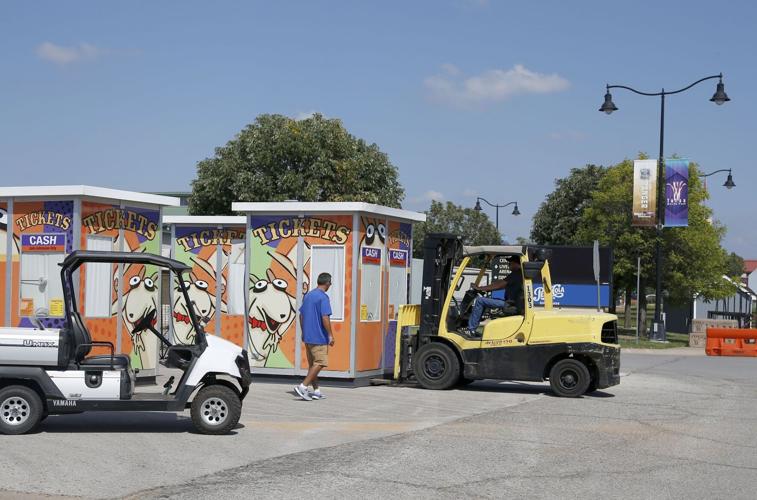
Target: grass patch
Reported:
[(674, 340)]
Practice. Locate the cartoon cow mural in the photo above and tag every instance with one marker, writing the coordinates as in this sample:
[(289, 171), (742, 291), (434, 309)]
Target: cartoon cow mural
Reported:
[(202, 293), (138, 302), (271, 312)]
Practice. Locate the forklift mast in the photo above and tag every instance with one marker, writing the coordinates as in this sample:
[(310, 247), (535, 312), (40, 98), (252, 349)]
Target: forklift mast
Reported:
[(440, 253)]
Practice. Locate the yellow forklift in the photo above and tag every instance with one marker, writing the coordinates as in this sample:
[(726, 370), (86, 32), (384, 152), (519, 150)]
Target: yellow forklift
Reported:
[(576, 350)]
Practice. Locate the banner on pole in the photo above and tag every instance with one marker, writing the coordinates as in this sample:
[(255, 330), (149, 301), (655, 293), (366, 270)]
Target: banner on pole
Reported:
[(644, 193), (676, 193)]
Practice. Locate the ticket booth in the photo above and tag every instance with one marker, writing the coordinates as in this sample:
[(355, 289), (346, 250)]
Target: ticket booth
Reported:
[(366, 248), (40, 225), (214, 247)]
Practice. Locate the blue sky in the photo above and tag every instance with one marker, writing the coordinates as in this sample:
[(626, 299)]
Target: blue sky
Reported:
[(468, 97)]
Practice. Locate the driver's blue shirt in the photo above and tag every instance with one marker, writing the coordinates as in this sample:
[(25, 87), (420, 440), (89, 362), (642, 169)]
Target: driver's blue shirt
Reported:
[(315, 305)]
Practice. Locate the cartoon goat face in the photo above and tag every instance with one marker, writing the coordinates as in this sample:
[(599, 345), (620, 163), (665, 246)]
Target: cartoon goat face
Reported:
[(270, 314), (140, 299)]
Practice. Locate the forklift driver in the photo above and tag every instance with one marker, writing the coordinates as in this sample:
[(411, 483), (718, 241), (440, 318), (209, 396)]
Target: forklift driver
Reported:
[(513, 303)]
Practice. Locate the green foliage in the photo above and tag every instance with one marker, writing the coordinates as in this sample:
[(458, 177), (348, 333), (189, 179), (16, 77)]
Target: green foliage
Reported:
[(277, 158), (475, 227), (693, 260), (735, 266), (558, 217)]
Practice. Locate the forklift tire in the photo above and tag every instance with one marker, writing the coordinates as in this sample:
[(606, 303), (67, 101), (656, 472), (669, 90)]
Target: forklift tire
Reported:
[(216, 410), (20, 409), (592, 386), (436, 367), (569, 378)]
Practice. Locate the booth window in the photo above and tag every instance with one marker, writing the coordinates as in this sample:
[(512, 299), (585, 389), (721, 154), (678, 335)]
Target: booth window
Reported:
[(329, 259), (41, 288), (370, 292), (397, 281), (98, 281), (236, 280)]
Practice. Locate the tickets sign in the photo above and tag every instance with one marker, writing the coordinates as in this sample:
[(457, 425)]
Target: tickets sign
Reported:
[(43, 242), (397, 258), (371, 255)]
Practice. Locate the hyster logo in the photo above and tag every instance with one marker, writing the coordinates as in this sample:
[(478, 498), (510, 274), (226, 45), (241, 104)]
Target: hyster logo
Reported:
[(58, 402), (40, 343)]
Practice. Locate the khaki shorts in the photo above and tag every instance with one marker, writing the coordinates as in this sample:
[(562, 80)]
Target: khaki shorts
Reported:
[(317, 354)]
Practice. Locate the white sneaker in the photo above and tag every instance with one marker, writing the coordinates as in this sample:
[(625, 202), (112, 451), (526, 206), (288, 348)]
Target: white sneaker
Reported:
[(317, 395), (302, 392)]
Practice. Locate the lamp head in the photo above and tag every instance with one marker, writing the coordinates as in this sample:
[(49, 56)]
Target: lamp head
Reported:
[(719, 97), (729, 184), (515, 210), (477, 208), (608, 106)]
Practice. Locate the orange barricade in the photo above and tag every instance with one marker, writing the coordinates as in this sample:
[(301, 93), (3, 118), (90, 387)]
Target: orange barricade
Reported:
[(731, 342)]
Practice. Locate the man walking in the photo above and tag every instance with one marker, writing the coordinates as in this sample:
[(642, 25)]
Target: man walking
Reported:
[(315, 323)]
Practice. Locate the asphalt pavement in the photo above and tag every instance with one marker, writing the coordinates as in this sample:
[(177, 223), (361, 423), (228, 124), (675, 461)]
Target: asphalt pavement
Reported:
[(679, 425)]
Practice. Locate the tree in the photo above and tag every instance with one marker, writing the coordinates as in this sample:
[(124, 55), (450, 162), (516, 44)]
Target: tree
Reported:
[(277, 158), (693, 263), (474, 226), (558, 217), (735, 267)]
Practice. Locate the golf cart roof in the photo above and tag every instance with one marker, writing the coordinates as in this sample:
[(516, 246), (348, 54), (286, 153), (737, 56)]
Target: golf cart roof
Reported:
[(79, 257), (494, 250)]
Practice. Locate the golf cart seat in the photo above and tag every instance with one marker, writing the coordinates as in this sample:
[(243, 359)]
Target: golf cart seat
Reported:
[(119, 361), (82, 345)]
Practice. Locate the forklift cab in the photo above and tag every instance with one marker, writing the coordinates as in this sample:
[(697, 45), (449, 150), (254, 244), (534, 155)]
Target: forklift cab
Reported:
[(508, 323), (507, 303)]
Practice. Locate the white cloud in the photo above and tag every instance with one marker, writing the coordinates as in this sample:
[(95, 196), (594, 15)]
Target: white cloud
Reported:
[(450, 69), (470, 192), (62, 55), (494, 85), (433, 196), (428, 196), (304, 115)]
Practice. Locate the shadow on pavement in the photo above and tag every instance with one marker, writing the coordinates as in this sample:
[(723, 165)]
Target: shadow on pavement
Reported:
[(120, 422), (509, 387)]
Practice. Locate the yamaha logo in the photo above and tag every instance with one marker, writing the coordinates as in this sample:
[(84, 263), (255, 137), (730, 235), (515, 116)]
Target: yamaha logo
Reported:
[(40, 343), (65, 402)]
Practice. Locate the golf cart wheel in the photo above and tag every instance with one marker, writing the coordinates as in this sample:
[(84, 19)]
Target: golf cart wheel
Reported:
[(216, 409), (20, 409), (436, 367), (569, 378)]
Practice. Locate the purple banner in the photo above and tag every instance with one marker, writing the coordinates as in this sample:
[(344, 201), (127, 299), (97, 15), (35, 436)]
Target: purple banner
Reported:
[(676, 193)]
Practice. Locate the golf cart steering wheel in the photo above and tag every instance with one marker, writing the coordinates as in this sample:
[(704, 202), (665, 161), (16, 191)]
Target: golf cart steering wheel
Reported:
[(146, 323)]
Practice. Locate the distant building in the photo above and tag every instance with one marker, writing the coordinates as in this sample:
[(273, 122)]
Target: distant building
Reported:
[(183, 208), (738, 306), (749, 278)]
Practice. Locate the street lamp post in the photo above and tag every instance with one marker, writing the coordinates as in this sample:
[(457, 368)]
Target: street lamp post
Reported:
[(719, 97), (728, 184), (478, 208)]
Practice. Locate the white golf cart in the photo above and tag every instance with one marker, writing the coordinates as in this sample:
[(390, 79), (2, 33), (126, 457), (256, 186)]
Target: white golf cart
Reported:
[(50, 371)]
